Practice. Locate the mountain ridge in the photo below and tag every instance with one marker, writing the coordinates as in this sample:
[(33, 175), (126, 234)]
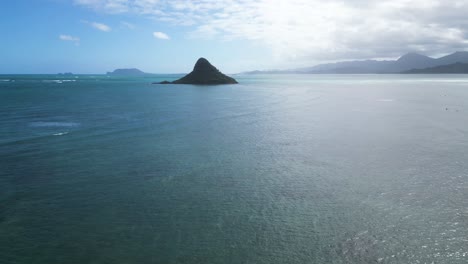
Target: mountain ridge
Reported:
[(404, 63), (455, 68)]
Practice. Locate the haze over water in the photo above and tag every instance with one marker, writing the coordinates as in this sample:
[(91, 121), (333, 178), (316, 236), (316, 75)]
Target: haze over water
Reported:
[(277, 169)]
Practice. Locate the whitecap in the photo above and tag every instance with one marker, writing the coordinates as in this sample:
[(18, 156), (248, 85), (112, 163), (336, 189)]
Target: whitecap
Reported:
[(52, 81), (60, 134), (5, 80), (385, 100), (54, 124)]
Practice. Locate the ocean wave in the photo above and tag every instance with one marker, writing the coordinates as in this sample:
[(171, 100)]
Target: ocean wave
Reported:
[(57, 81), (52, 81), (54, 124), (5, 80), (60, 134)]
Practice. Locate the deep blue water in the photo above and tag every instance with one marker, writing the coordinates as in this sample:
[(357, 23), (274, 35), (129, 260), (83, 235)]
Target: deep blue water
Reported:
[(277, 169)]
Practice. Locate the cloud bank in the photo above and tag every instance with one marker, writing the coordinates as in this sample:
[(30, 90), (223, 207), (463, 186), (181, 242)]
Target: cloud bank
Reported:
[(312, 29)]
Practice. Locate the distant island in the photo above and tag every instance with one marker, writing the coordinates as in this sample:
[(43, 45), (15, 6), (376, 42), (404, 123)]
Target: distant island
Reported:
[(127, 72), (204, 74), (408, 63), (65, 73)]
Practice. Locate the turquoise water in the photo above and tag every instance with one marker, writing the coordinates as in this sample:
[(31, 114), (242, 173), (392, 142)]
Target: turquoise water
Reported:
[(277, 169)]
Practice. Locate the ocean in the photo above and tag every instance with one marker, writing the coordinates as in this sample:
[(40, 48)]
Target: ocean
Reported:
[(276, 169)]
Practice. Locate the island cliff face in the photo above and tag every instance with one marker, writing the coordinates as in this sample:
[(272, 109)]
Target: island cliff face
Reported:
[(204, 73)]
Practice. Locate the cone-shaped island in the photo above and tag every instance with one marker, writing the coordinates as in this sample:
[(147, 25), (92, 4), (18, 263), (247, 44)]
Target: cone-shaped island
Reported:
[(204, 73)]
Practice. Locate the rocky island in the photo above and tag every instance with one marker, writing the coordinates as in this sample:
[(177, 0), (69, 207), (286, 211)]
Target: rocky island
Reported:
[(204, 74)]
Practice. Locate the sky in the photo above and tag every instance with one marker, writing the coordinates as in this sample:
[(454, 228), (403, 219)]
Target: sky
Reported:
[(168, 36)]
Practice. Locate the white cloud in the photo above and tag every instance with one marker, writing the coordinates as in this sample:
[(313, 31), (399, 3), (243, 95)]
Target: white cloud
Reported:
[(161, 35), (96, 25), (76, 40), (314, 30), (100, 26)]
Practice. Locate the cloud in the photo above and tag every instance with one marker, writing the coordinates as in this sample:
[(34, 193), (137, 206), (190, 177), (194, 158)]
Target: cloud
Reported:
[(127, 25), (161, 35), (76, 40), (100, 26), (110, 6), (314, 30)]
